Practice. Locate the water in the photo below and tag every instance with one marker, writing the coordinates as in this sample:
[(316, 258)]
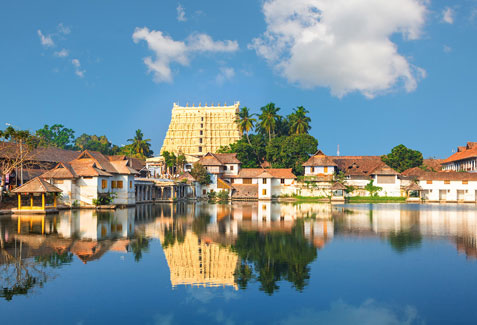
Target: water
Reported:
[(242, 263)]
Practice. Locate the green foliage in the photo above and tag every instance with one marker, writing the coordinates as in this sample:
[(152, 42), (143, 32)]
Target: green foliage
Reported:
[(199, 225), (104, 199), (299, 122), (291, 151), (55, 260), (170, 159), (376, 199), (139, 245), (402, 158), (274, 256), (200, 174), (269, 119), (96, 143), (140, 147), (372, 189), (245, 121), (211, 196), (404, 240), (56, 136), (250, 155), (223, 196)]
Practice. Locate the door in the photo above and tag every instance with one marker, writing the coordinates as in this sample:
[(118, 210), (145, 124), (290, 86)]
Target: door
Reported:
[(460, 195), (442, 195)]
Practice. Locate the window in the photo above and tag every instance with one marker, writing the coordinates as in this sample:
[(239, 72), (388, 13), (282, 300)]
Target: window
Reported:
[(201, 125), (247, 181), (312, 169), (58, 181), (113, 184), (130, 184), (231, 180), (200, 140), (120, 184), (201, 132), (465, 182), (264, 181), (202, 119), (87, 177), (428, 182), (264, 207), (386, 179), (326, 169), (200, 149), (204, 192), (282, 181), (231, 167), (264, 192), (104, 184), (447, 182), (225, 167)]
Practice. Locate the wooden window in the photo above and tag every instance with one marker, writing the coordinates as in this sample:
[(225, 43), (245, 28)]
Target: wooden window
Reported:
[(465, 182), (264, 207), (231, 167), (231, 181), (59, 181), (104, 184), (201, 125), (312, 169), (113, 184), (386, 179), (447, 182), (200, 140), (120, 184), (264, 192), (130, 184), (428, 182), (201, 132), (225, 167), (200, 149), (202, 119), (282, 181), (247, 181), (264, 181), (204, 192), (326, 169)]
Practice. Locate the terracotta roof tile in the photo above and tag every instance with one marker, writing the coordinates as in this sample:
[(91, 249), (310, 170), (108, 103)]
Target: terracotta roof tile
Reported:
[(319, 159), (37, 185), (451, 176), (469, 151)]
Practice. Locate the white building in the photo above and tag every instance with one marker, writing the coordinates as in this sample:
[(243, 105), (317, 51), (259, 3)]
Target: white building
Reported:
[(448, 187), (465, 159), (93, 175)]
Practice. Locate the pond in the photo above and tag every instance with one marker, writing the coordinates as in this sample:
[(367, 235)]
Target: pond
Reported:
[(244, 262)]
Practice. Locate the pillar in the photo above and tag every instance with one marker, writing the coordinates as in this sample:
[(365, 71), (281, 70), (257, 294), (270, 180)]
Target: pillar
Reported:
[(19, 202), (55, 197), (43, 201), (31, 201)]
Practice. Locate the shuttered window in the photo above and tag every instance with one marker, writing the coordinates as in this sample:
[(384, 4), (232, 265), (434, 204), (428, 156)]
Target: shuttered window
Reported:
[(386, 179)]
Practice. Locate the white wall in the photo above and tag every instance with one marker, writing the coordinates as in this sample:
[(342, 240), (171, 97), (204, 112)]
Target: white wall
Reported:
[(431, 191), (319, 170)]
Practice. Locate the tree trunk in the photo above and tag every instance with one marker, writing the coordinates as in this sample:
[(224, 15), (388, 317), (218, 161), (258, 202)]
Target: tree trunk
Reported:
[(248, 138)]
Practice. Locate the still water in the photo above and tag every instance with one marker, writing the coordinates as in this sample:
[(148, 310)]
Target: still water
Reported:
[(249, 263)]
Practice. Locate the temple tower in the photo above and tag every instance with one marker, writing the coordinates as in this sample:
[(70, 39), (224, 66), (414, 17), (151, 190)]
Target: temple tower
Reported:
[(196, 130)]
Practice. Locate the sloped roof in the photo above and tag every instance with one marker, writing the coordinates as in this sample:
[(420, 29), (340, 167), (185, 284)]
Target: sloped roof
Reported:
[(414, 187), (450, 176), (61, 171), (50, 154), (338, 186), (415, 171), (319, 159), (384, 170), (245, 191), (362, 165), (219, 159), (273, 172), (469, 151), (37, 185), (210, 160), (433, 164), (101, 160), (187, 176), (122, 167)]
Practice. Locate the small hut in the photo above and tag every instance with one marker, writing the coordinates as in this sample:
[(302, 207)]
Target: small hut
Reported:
[(338, 192), (413, 188), (37, 187)]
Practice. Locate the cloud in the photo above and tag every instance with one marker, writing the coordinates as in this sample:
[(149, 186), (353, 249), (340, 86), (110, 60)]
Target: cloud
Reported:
[(181, 13), (168, 51), (448, 15), (340, 44), (63, 29), (61, 54), (225, 74), (76, 63), (447, 49), (369, 313), (45, 40)]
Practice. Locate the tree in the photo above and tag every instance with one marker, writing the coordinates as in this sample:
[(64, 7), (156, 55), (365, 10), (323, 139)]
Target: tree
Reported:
[(291, 152), (372, 189), (96, 143), (299, 122), (402, 158), (245, 121), (269, 119), (140, 147), (55, 136), (200, 174), (250, 154), (181, 161), (170, 160)]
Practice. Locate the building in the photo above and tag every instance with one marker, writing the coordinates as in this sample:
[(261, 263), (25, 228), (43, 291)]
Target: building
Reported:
[(196, 130), (246, 183), (465, 159), (448, 186), (93, 175)]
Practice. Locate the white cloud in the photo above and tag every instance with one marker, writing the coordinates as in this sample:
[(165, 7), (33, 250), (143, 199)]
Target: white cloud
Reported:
[(168, 51), (61, 54), (45, 40), (447, 49), (340, 44), (181, 13), (448, 15), (76, 63), (65, 30), (226, 73)]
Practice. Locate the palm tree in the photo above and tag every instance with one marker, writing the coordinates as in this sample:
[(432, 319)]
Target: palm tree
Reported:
[(140, 147), (299, 122), (269, 119), (245, 121)]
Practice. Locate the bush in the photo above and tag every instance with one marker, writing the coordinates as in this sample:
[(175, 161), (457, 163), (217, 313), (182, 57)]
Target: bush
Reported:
[(223, 196), (104, 199)]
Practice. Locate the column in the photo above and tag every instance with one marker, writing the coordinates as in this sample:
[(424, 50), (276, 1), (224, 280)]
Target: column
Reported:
[(55, 199), (31, 201), (19, 202), (43, 201)]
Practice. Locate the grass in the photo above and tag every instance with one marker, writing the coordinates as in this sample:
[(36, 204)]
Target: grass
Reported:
[(375, 199)]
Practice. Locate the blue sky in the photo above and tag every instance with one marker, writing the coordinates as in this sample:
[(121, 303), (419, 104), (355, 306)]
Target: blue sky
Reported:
[(373, 73)]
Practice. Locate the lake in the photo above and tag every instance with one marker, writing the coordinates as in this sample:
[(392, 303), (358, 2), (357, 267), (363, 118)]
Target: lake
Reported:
[(237, 263)]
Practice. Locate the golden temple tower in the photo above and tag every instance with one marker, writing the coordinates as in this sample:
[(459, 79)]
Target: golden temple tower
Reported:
[(196, 130)]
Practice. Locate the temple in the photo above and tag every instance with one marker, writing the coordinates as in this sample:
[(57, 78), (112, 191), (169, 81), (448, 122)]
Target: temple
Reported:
[(196, 130)]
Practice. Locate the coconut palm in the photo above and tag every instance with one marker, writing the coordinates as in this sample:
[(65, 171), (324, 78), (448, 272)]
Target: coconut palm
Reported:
[(269, 119), (299, 122), (140, 147), (245, 121)]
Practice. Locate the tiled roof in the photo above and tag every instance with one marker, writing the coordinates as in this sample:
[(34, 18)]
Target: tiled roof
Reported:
[(61, 171), (273, 172), (433, 164), (319, 159), (337, 186), (50, 154), (245, 191), (469, 151), (37, 185), (219, 159), (448, 176), (360, 165), (187, 176)]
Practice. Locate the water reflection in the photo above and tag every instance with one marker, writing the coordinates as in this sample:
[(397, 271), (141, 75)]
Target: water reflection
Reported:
[(216, 245)]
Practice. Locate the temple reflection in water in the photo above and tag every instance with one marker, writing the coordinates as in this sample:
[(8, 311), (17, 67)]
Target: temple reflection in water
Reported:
[(220, 245)]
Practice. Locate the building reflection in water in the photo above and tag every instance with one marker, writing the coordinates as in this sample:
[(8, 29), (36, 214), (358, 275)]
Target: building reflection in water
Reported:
[(220, 245)]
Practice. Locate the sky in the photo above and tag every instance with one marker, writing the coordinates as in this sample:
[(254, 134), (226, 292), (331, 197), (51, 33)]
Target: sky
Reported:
[(372, 73)]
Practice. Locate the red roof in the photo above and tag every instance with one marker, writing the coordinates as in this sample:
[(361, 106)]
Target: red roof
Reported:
[(469, 151)]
